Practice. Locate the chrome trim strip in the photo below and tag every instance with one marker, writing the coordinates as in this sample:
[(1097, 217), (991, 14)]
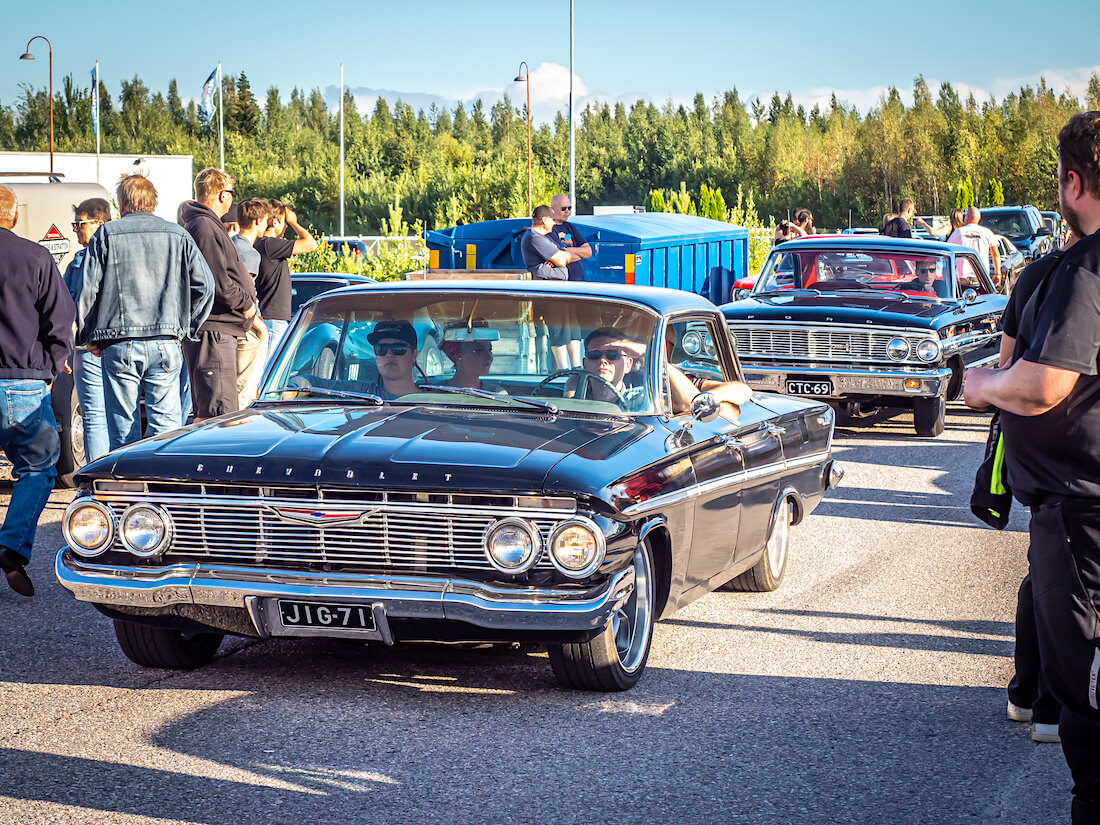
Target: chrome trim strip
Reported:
[(869, 381), (477, 603), (992, 359), (696, 490)]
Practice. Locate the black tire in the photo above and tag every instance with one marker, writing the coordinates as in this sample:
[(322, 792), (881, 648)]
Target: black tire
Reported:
[(929, 416), (160, 647), (767, 574), (66, 409), (615, 659)]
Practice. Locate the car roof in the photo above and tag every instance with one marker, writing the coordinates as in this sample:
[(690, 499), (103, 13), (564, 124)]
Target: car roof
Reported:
[(334, 276), (876, 243), (659, 299)]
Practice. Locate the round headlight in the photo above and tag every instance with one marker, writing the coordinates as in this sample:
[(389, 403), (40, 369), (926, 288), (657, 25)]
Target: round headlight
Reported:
[(577, 547), (898, 349), (513, 545), (89, 527), (146, 529), (708, 345), (693, 343), (741, 292), (928, 350)]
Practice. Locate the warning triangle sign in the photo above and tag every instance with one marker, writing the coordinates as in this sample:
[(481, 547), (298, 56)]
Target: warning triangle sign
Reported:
[(54, 234)]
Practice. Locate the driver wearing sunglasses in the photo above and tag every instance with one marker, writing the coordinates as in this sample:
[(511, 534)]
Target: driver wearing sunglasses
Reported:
[(609, 355), (395, 348)]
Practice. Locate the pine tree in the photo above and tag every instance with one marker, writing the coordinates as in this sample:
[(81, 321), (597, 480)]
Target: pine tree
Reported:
[(246, 115), (655, 201)]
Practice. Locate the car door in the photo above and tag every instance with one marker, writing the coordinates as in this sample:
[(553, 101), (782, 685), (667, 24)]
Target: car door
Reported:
[(699, 347), (977, 326)]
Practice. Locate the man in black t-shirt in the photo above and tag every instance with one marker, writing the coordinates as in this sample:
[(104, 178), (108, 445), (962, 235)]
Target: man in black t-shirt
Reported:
[(899, 227), (1050, 415), (273, 280), (568, 236)]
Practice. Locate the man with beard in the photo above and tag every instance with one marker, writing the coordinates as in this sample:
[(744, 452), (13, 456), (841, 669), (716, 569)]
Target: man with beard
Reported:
[(1050, 415)]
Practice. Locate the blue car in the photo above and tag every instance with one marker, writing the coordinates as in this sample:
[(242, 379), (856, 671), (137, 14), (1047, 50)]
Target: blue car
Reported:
[(866, 322), (1023, 225)]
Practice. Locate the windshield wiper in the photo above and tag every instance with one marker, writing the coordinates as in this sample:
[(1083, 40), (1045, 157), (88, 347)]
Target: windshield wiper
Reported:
[(329, 393), (492, 396), (768, 292)]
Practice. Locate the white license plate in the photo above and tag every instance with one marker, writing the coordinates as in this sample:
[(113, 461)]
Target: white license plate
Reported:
[(335, 616), (818, 386)]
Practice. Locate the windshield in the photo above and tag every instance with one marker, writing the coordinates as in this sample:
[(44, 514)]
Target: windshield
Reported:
[(1014, 225), (834, 270), (414, 347)]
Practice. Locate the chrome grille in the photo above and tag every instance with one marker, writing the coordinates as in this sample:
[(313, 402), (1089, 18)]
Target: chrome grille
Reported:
[(400, 534), (818, 343)]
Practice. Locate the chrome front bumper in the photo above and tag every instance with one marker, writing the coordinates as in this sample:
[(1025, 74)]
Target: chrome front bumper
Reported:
[(400, 597), (859, 381)]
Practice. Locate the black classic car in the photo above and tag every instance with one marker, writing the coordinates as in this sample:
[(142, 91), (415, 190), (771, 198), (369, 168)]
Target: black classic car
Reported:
[(869, 322), (502, 499), (1024, 226)]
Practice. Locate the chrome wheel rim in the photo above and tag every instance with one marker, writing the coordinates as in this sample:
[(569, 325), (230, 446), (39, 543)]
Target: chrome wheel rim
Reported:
[(779, 540), (630, 624), (76, 437)]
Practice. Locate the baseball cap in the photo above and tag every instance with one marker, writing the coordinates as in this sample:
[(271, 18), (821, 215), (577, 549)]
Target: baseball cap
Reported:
[(231, 216), (401, 330)]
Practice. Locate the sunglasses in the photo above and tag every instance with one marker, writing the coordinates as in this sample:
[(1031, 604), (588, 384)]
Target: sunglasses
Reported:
[(610, 355), (78, 224), (386, 349), (926, 270), (566, 208), (230, 191)]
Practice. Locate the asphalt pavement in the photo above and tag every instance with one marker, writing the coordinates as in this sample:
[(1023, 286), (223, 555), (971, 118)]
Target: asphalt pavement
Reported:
[(868, 689)]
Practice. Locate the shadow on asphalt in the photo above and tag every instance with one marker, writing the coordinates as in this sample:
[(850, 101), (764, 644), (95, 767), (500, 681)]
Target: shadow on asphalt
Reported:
[(446, 735)]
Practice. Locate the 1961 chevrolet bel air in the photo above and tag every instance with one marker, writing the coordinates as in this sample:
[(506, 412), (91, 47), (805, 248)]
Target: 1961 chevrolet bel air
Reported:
[(571, 507)]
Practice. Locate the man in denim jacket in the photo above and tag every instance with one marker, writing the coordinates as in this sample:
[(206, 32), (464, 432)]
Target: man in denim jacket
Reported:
[(144, 287), (36, 321)]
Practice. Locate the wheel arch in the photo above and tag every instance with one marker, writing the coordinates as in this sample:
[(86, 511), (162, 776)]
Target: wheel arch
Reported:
[(789, 493), (955, 385), (655, 531)]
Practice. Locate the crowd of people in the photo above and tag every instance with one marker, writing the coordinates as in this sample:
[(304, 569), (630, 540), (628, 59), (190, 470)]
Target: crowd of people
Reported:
[(183, 315)]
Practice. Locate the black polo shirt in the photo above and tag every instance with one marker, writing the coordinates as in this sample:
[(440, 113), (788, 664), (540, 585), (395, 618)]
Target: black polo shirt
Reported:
[(568, 236), (1058, 452)]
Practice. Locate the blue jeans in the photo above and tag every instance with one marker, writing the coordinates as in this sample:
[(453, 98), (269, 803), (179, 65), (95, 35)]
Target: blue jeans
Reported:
[(88, 376), (275, 332), (28, 436), (149, 365)]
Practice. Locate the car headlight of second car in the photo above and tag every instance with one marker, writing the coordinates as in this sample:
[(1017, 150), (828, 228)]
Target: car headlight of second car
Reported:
[(898, 349), (513, 545), (929, 350), (577, 547), (89, 527), (146, 529), (693, 342)]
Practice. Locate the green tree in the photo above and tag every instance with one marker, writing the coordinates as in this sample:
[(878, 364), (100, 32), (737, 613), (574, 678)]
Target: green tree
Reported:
[(655, 201)]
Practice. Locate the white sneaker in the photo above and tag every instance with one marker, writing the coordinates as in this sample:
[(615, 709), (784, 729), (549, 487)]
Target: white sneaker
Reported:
[(1041, 732), (1019, 714)]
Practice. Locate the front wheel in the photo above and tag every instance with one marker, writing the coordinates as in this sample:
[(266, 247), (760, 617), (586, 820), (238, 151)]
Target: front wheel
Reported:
[(160, 647), (615, 659), (929, 416)]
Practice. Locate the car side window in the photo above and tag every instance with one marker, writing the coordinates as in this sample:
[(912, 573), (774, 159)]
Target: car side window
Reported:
[(690, 348), (967, 275)]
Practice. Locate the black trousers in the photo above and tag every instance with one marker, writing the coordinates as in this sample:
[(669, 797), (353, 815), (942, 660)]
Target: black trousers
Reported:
[(1065, 574), (1028, 688)]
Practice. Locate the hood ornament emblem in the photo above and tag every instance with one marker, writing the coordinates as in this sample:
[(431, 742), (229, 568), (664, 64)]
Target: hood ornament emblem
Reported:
[(322, 518)]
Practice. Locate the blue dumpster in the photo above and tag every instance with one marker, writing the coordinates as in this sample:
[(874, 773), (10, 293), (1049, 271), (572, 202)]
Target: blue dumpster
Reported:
[(686, 252)]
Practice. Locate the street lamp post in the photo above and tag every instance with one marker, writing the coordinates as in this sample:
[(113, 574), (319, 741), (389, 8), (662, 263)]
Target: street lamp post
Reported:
[(525, 75), (28, 56)]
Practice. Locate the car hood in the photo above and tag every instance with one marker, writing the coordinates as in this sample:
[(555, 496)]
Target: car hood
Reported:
[(839, 308), (390, 447)]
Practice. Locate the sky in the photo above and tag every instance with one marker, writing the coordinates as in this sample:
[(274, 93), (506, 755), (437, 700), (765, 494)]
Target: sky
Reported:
[(440, 52)]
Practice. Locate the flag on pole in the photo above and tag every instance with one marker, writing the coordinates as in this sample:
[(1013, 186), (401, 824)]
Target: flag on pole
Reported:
[(95, 100), (208, 89)]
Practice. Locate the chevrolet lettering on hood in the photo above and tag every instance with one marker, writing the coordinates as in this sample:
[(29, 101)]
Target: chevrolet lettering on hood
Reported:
[(493, 492)]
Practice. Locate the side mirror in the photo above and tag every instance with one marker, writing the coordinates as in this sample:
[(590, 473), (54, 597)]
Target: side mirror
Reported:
[(705, 407), (1043, 230), (969, 296)]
